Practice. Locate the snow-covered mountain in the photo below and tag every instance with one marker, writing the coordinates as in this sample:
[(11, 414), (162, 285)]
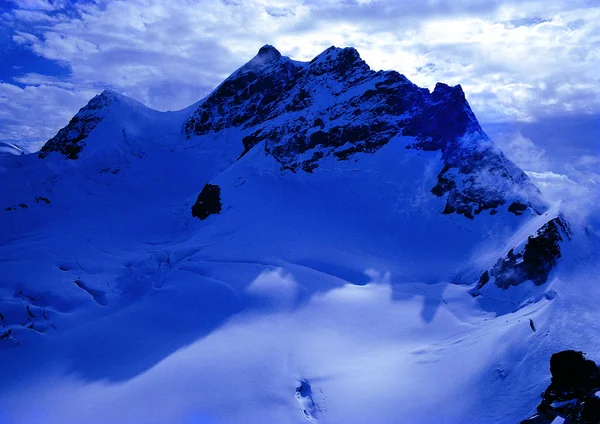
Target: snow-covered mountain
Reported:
[(311, 242)]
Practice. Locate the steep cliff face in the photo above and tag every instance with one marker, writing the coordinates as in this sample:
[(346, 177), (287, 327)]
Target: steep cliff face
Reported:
[(335, 106)]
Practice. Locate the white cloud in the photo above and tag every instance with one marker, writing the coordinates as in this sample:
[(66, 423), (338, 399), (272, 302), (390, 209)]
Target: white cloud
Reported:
[(588, 160), (580, 190), (25, 38), (522, 151), (47, 5), (556, 186), (574, 180), (33, 79), (33, 112), (31, 16)]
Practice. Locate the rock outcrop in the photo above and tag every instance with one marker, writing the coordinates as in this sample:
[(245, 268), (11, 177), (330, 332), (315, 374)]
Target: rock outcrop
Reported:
[(208, 202), (572, 393), (532, 261)]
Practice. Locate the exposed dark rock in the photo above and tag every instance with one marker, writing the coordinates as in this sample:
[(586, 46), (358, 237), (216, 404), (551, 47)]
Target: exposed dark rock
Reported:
[(23, 205), (445, 118), (340, 63), (268, 51), (248, 97), (70, 140), (114, 171), (250, 141), (534, 260), (301, 101), (305, 396), (532, 325), (208, 202), (572, 391), (484, 279), (572, 372), (39, 199), (517, 208)]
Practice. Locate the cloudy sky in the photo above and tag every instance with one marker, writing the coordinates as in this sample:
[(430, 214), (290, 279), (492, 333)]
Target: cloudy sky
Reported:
[(529, 68)]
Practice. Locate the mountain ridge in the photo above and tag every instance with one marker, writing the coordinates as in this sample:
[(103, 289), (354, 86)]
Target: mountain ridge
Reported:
[(279, 100)]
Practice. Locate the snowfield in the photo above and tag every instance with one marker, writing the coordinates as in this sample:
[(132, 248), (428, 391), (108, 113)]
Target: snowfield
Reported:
[(339, 294)]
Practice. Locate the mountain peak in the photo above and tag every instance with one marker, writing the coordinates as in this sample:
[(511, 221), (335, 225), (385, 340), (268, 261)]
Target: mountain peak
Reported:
[(338, 60), (111, 95), (267, 55), (69, 141), (333, 52), (443, 90), (109, 92), (268, 51)]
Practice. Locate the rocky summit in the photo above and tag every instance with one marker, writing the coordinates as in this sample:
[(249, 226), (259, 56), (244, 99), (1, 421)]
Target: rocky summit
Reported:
[(336, 106)]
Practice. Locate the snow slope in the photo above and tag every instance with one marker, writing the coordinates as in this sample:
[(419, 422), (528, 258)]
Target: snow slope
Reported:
[(336, 284)]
